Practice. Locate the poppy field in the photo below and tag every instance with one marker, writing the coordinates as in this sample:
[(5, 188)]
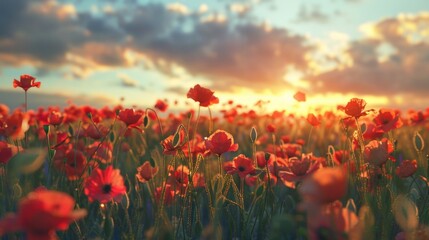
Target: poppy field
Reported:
[(241, 173)]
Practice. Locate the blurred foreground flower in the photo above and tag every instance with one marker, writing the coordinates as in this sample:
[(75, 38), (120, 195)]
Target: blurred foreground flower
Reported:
[(41, 213)]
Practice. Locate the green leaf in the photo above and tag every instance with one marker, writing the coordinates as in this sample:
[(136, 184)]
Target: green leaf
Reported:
[(27, 161)]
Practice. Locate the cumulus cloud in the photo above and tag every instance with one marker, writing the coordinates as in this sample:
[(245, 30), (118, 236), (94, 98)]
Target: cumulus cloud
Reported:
[(401, 67)]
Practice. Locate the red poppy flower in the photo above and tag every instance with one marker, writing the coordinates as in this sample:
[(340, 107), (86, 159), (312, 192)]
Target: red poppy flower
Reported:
[(105, 185), (198, 180), (324, 186), (26, 82), (170, 147), (221, 142), (377, 152), (387, 120), (7, 151), (406, 168), (372, 132), (298, 168), (179, 178), (4, 110), (132, 118), (299, 96), (161, 105), (312, 119), (202, 95), (101, 152), (16, 125), (271, 128), (355, 107), (337, 220), (55, 118), (146, 172), (169, 194), (241, 165), (75, 164), (41, 213)]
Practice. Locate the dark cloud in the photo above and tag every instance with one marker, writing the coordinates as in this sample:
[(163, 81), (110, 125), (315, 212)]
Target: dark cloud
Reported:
[(403, 69), (15, 99), (311, 14)]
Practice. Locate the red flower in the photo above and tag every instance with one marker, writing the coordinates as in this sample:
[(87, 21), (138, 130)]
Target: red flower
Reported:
[(355, 107), (312, 119), (168, 195), (55, 118), (170, 147), (298, 168), (131, 118), (271, 128), (377, 152), (221, 142), (7, 151), (161, 105), (105, 185), (387, 120), (26, 82), (406, 168), (41, 213), (16, 125), (101, 152), (324, 186), (179, 178), (299, 96), (202, 95), (241, 165), (146, 172)]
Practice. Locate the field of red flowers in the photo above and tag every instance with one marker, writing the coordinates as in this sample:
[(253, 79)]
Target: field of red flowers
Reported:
[(122, 173)]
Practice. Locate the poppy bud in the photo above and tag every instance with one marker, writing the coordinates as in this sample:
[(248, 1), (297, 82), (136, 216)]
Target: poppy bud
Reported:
[(267, 156), (46, 129), (253, 134), (145, 121), (419, 143)]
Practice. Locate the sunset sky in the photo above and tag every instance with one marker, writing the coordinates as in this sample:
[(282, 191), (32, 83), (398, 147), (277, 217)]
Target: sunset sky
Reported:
[(96, 52)]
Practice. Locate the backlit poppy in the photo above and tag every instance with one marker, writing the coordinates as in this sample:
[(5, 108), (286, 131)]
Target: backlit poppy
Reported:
[(221, 142), (7, 151), (241, 165), (26, 82), (202, 95), (146, 172), (377, 152), (355, 107), (161, 105), (299, 96), (387, 120)]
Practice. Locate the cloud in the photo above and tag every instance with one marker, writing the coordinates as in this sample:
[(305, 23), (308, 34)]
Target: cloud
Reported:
[(391, 59), (313, 14), (230, 54), (127, 81), (15, 99)]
